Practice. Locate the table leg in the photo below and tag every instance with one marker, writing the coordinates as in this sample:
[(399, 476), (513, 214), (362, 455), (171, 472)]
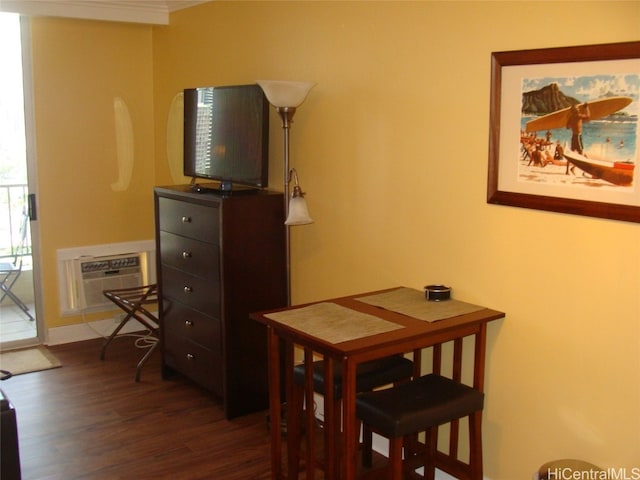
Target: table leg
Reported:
[(293, 404), (349, 418), (310, 414), (479, 361), (274, 403)]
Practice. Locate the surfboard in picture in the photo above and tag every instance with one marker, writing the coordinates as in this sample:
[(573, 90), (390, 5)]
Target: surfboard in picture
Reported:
[(597, 109)]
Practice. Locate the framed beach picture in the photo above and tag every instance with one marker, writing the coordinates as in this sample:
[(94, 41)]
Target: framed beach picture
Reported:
[(564, 132)]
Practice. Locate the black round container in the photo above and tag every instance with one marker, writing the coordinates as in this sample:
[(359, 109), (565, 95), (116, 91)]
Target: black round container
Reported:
[(437, 293)]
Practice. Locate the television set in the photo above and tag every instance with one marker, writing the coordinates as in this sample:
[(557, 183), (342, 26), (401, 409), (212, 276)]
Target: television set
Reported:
[(226, 137)]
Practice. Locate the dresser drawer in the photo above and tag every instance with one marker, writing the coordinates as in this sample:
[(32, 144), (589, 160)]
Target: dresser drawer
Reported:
[(195, 292), (192, 256), (202, 365), (181, 321), (189, 219)]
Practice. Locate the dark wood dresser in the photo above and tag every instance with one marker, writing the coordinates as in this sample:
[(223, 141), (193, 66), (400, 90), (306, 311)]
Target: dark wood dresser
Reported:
[(219, 258)]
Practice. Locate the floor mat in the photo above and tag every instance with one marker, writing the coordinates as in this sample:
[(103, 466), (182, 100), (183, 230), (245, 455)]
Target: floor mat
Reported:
[(27, 360)]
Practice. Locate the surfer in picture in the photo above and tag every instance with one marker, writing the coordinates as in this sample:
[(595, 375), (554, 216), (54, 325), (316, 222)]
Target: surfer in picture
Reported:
[(577, 115)]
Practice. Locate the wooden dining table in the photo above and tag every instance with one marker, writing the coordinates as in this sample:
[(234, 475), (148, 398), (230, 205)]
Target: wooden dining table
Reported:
[(355, 329)]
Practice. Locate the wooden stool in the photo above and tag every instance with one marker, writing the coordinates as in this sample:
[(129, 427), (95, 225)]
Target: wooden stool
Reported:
[(133, 301), (369, 376), (422, 405)]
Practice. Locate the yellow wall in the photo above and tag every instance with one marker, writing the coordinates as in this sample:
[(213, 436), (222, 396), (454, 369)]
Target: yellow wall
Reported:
[(79, 68), (391, 146)]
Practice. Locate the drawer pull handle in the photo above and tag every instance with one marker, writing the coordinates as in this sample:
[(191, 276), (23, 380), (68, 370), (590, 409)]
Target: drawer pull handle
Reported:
[(186, 219), (188, 289), (190, 356), (188, 323), (186, 255)]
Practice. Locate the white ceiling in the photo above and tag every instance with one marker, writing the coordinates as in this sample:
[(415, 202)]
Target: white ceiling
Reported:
[(138, 11)]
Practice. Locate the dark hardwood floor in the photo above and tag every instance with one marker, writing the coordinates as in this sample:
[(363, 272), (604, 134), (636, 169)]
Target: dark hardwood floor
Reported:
[(90, 420)]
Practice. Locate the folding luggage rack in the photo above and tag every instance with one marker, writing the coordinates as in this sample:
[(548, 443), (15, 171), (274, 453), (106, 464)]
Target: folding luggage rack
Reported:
[(133, 301)]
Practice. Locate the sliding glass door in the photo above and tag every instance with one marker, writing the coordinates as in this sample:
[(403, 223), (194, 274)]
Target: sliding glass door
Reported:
[(20, 324)]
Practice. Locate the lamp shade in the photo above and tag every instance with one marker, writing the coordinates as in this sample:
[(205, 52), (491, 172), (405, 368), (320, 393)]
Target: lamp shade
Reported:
[(283, 93), (298, 212)]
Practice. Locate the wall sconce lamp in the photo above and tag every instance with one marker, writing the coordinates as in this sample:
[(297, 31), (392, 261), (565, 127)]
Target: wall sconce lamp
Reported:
[(298, 212), (286, 96)]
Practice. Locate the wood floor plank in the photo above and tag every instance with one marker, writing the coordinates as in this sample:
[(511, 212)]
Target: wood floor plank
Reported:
[(90, 420)]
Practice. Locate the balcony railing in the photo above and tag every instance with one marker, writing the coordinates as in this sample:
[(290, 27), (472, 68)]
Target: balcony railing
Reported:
[(13, 207)]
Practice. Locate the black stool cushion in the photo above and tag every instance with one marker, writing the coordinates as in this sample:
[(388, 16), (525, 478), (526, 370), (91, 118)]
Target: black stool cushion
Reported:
[(369, 375), (412, 407)]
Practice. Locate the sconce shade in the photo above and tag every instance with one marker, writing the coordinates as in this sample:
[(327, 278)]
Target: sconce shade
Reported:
[(284, 93), (298, 211)]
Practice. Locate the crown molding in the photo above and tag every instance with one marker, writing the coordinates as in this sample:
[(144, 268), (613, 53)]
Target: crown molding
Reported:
[(174, 5), (155, 12)]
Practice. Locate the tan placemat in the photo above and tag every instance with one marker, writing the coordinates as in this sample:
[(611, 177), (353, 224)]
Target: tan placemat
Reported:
[(412, 303), (333, 323)]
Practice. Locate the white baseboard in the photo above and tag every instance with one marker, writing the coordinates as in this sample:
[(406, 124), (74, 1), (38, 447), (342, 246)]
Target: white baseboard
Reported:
[(89, 330)]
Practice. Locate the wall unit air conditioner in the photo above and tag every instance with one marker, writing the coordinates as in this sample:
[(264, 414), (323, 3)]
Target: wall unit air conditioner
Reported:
[(96, 274)]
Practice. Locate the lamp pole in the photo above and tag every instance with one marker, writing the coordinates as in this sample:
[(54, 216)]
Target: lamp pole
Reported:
[(286, 114), (286, 96)]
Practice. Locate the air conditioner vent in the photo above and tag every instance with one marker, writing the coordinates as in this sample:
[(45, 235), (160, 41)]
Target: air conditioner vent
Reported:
[(96, 274)]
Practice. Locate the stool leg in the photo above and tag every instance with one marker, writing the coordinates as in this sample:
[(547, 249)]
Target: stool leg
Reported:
[(430, 449), (335, 446), (295, 414), (395, 458), (367, 446)]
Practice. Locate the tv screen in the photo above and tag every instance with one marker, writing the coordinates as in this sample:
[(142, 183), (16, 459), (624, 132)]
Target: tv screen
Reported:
[(226, 135)]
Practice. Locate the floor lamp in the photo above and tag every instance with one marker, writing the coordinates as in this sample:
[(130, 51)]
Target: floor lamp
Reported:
[(286, 96)]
